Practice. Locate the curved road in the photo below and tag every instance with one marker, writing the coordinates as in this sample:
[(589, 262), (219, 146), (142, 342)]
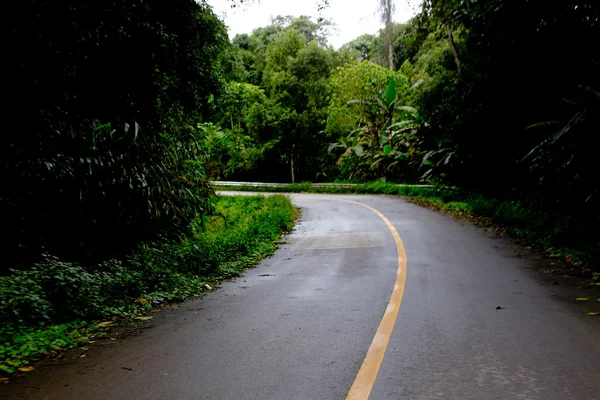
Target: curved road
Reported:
[(300, 325)]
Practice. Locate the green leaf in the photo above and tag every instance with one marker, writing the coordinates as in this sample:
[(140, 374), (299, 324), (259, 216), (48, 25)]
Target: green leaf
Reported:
[(409, 109), (358, 150), (387, 150), (390, 93), (355, 139)]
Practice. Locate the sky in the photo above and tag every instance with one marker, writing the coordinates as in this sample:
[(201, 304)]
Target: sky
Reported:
[(352, 17)]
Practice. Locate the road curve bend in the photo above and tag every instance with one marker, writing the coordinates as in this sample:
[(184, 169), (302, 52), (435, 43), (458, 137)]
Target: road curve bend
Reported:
[(470, 322)]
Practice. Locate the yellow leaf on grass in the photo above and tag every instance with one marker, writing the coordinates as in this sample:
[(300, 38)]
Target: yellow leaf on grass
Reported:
[(208, 287), (104, 324), (581, 299), (140, 300), (27, 369), (143, 318), (592, 313)]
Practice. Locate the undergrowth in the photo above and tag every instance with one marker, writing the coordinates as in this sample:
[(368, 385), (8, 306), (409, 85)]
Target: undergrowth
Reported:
[(46, 309)]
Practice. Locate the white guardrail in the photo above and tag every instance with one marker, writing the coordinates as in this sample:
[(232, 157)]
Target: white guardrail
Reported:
[(263, 184)]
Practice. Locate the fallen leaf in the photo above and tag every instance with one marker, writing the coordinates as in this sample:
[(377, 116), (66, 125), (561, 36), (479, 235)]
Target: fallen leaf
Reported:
[(592, 313), (208, 287), (156, 311), (140, 300), (581, 299), (83, 355), (104, 324), (143, 318), (27, 369), (112, 338)]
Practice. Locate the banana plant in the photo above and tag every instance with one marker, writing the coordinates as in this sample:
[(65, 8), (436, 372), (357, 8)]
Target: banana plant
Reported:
[(385, 141)]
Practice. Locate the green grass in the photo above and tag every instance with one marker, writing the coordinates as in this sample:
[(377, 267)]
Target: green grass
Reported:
[(556, 235), (48, 308), (363, 188)]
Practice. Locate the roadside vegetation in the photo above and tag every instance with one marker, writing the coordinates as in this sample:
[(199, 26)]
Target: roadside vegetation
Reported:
[(126, 110), (54, 305)]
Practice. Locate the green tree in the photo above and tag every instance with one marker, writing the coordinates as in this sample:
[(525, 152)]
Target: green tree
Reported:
[(296, 76), (362, 48), (108, 95), (377, 133), (352, 85)]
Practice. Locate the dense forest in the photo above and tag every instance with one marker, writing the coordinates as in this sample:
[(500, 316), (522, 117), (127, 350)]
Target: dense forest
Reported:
[(495, 96), (120, 114)]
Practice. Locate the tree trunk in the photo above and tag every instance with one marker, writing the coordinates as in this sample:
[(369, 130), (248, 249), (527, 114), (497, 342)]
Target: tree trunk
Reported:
[(452, 45), (386, 8), (390, 40), (292, 164)]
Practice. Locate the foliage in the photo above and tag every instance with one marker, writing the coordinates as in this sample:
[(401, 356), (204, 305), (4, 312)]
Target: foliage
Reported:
[(23, 345), (508, 55), (362, 48), (352, 85), (103, 155), (296, 76), (271, 119), (385, 142), (564, 160), (38, 305)]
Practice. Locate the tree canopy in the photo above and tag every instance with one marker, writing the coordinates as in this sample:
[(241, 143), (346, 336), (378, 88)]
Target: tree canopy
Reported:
[(132, 105)]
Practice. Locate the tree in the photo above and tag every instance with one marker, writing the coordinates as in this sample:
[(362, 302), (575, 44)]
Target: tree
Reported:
[(362, 48), (296, 76), (375, 130), (386, 9), (446, 12), (104, 159)]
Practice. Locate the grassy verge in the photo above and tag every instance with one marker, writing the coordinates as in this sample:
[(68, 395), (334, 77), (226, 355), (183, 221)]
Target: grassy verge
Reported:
[(558, 236), (54, 305)]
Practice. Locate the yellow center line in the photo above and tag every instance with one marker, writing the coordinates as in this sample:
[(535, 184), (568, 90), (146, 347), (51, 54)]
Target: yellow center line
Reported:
[(365, 379)]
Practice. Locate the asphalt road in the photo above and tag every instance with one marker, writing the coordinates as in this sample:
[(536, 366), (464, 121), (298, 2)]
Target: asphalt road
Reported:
[(300, 325)]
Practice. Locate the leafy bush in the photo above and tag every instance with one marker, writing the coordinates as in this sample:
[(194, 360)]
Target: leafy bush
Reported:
[(98, 162), (21, 345), (242, 231)]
